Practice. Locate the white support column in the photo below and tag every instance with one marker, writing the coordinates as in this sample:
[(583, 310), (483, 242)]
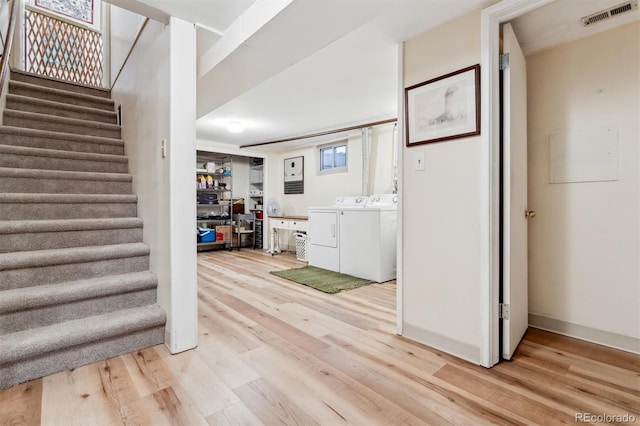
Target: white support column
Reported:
[(182, 333)]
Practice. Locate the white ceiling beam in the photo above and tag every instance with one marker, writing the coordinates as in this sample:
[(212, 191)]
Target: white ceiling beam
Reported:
[(210, 29), (246, 25), (140, 8), (300, 29)]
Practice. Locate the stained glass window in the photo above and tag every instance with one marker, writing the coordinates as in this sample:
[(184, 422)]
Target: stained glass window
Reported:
[(81, 10)]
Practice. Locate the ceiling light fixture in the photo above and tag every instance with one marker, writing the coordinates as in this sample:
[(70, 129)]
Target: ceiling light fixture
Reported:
[(235, 126)]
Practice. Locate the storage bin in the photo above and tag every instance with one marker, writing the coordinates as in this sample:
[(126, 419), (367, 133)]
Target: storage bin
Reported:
[(238, 206), (225, 230), (207, 198), (207, 235), (302, 247)]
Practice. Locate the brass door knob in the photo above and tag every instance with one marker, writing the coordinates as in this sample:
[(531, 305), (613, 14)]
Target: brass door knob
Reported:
[(529, 214)]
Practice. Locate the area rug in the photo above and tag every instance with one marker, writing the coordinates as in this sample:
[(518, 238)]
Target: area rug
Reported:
[(322, 279)]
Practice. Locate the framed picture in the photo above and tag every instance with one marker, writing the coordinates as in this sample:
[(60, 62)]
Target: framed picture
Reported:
[(82, 10), (294, 175), (445, 108)]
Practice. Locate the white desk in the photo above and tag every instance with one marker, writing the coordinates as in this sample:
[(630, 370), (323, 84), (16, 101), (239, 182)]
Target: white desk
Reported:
[(287, 223)]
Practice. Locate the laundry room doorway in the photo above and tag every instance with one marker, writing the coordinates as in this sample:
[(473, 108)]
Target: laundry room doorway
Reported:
[(570, 267)]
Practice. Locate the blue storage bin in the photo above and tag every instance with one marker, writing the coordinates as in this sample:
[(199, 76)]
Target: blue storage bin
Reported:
[(207, 235)]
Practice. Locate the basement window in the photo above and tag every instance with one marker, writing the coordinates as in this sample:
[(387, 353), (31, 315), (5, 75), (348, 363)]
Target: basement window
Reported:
[(333, 157)]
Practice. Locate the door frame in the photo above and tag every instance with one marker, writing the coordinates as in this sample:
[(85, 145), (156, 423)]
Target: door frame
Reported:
[(491, 18)]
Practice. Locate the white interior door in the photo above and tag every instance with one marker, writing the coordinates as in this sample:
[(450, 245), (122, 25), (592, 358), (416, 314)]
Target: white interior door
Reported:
[(515, 286)]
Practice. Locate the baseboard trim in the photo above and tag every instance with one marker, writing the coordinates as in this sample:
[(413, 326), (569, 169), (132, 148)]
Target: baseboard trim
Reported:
[(445, 344), (593, 335)]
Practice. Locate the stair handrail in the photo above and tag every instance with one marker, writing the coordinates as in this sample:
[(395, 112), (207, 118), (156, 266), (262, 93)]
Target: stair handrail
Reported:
[(7, 43)]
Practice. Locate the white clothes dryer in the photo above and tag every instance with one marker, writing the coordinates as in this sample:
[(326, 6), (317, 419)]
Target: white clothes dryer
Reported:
[(324, 238)]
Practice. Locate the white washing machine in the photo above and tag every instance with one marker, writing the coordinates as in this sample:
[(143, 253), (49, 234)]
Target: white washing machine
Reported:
[(351, 202), (368, 239), (324, 233)]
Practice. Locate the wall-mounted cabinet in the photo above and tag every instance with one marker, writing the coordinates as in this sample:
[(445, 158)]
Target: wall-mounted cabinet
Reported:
[(214, 200)]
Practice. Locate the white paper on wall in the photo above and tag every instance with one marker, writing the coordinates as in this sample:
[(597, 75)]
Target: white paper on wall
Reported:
[(584, 156)]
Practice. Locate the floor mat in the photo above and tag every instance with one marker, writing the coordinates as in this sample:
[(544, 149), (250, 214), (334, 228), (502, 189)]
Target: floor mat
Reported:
[(322, 279)]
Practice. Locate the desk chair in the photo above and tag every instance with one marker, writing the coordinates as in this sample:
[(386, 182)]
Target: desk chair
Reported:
[(245, 221)]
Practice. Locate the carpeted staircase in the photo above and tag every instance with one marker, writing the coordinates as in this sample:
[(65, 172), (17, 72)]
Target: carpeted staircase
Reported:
[(75, 285)]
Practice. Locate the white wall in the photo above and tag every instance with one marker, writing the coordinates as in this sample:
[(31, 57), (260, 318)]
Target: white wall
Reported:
[(321, 190), (384, 142), (240, 186), (182, 329), (123, 30), (585, 240), (441, 209), (147, 90), (143, 92)]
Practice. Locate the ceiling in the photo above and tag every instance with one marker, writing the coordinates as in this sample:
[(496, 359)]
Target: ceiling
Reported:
[(285, 68), (302, 66), (559, 22)]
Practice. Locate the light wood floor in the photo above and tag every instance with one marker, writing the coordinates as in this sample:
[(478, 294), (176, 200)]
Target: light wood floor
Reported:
[(274, 352)]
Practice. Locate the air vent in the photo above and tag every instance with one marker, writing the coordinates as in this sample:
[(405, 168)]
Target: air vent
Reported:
[(603, 15), (621, 9)]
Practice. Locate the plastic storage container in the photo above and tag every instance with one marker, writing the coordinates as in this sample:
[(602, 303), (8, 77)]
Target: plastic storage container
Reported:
[(207, 235)]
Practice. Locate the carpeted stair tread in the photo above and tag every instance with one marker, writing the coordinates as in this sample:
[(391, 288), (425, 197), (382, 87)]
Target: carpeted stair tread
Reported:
[(44, 234), (40, 258), (64, 225), (64, 174), (72, 137), (73, 357), (33, 198), (60, 95), (44, 106), (60, 120), (31, 343), (48, 304), (14, 156), (66, 292), (16, 180), (35, 206), (27, 77), (7, 172), (56, 153), (47, 122), (28, 235)]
